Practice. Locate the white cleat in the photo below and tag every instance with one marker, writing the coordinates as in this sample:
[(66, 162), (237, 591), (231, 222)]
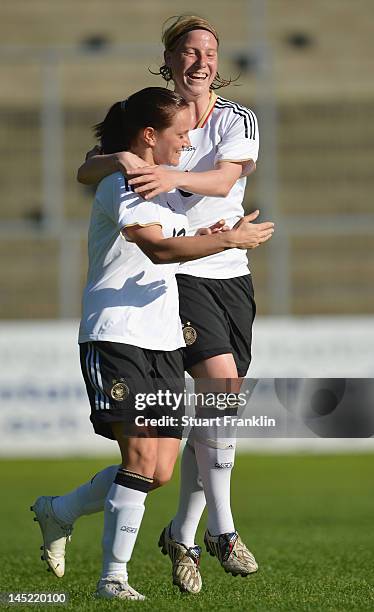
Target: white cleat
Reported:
[(116, 587), (55, 534), (231, 552), (185, 562)]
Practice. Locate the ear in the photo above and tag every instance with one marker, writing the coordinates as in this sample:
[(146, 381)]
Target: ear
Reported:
[(149, 136)]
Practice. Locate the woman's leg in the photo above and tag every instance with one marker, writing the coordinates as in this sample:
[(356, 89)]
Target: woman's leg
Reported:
[(86, 499), (191, 497), (124, 509), (216, 482), (89, 497), (215, 453), (167, 453)]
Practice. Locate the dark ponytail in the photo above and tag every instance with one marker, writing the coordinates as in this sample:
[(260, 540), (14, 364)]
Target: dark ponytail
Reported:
[(151, 107)]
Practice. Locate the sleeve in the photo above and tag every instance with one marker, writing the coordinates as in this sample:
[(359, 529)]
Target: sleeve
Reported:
[(129, 209), (240, 138)]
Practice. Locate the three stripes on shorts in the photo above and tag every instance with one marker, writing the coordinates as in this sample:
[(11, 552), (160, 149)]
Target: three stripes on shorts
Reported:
[(94, 376)]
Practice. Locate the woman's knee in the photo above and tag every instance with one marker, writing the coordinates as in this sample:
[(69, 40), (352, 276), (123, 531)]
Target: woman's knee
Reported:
[(141, 458), (161, 477), (139, 454)]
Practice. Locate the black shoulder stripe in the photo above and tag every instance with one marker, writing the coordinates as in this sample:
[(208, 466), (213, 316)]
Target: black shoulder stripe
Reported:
[(223, 103), (240, 107), (236, 112)]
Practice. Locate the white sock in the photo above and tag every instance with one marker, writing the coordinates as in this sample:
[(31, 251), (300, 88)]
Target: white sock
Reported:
[(123, 513), (86, 499), (191, 499), (215, 465)]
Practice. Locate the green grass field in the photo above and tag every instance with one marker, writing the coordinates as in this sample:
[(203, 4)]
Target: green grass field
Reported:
[(308, 519)]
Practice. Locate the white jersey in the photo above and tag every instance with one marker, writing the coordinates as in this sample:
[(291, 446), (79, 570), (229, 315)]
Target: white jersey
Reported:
[(127, 298), (227, 132)]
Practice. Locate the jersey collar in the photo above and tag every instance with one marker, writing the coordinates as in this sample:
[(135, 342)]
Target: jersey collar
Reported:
[(208, 111)]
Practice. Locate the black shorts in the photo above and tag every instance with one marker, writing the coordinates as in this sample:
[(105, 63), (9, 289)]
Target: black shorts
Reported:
[(217, 317), (124, 382)]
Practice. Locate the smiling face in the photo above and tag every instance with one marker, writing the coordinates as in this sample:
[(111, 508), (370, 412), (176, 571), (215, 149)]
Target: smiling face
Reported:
[(167, 144), (194, 64)]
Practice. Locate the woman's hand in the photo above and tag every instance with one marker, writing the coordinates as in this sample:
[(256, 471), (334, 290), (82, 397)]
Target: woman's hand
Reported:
[(96, 150), (250, 235), (128, 162), (99, 165), (219, 226), (150, 181)]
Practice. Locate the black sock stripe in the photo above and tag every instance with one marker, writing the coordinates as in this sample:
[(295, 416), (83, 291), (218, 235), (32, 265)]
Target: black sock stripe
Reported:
[(132, 480), (135, 475)]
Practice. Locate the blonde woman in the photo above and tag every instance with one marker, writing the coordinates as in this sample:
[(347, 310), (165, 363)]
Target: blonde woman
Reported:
[(217, 304)]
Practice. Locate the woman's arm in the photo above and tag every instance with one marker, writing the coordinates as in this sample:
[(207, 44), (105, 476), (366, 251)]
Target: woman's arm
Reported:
[(160, 250), (96, 167), (154, 180)]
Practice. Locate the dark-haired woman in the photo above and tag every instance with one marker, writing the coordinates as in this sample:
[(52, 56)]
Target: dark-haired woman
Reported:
[(130, 334), (217, 305)]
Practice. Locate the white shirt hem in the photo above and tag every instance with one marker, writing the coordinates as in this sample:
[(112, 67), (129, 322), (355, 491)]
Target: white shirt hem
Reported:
[(122, 340)]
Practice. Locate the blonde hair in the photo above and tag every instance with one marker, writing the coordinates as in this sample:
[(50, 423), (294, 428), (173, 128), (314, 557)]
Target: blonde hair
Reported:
[(171, 35)]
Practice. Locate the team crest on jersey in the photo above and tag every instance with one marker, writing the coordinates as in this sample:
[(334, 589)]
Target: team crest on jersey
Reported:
[(120, 390), (189, 334)]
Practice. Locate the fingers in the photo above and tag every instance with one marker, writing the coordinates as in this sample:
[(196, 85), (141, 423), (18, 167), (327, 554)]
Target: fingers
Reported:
[(265, 232), (266, 226), (96, 150), (261, 239), (216, 228), (247, 219), (218, 224), (202, 231), (266, 237), (223, 228), (148, 187), (255, 235), (251, 217), (142, 179), (152, 194), (139, 172)]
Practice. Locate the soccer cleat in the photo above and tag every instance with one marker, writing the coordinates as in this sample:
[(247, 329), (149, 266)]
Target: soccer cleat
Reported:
[(231, 552), (116, 587), (55, 534), (185, 562)]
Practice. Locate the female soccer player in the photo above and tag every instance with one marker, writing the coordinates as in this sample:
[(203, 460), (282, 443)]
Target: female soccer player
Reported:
[(216, 295), (217, 306), (130, 334)]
